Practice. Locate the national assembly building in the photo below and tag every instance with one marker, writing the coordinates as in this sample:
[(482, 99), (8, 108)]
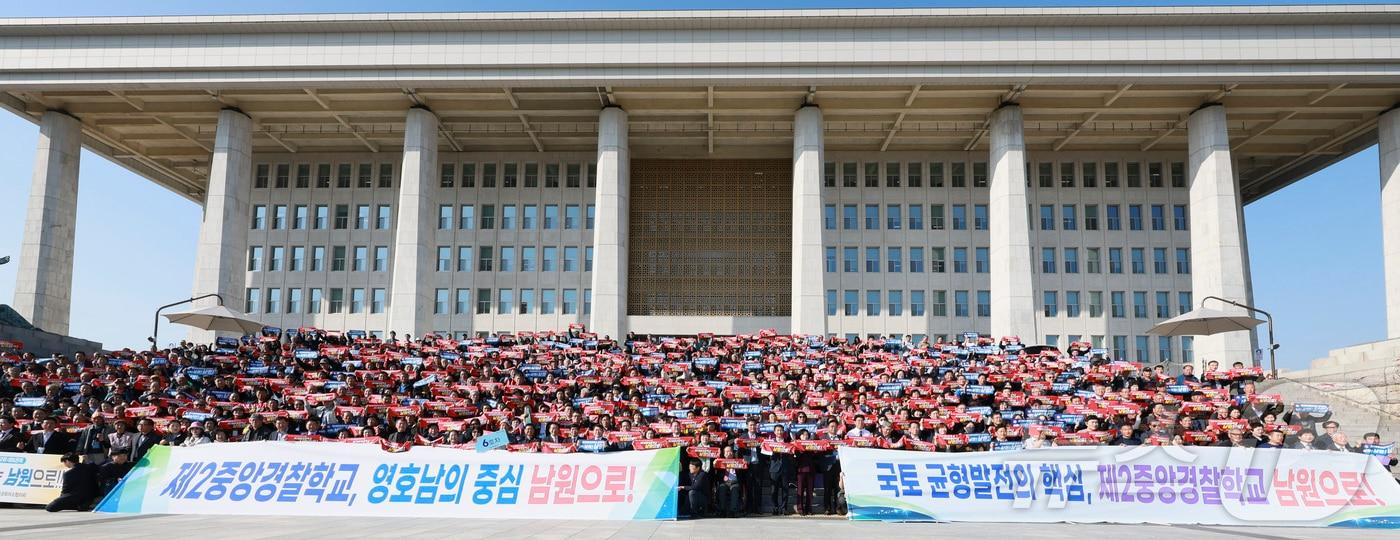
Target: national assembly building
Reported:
[(1057, 174)]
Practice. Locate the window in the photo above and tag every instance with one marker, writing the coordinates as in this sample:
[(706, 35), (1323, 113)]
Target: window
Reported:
[(505, 301), (342, 216), (850, 307), (981, 260), (549, 259), (1139, 264), (279, 216), (935, 174), (1047, 217), (483, 300), (1159, 260), (979, 217), (1140, 304), (357, 300), (445, 217), (1095, 303), (1154, 175), (979, 174), (1092, 260), (1164, 305), (547, 300), (831, 301), (260, 177), (959, 217), (872, 259), (1110, 175), (1135, 217), (381, 217), (298, 258), (1178, 171), (849, 260), (588, 258), (439, 301), (915, 172), (488, 217), (1071, 303), (551, 175), (318, 258), (939, 306), (1045, 175), (984, 303), (357, 262), (959, 260), (1067, 217), (1091, 217), (337, 258), (571, 216), (916, 217), (506, 260), (1047, 260), (573, 175), (484, 259), (1134, 174), (252, 299), (381, 258), (323, 215), (337, 301), (259, 217), (894, 259), (872, 175), (376, 300), (1164, 349), (1187, 353), (342, 175), (303, 175), (1067, 175), (848, 175), (895, 303), (293, 300), (365, 178), (872, 217), (893, 220), (362, 217), (829, 259), (529, 215), (527, 301), (1140, 349), (1179, 217), (444, 258), (570, 304), (936, 260), (274, 300), (551, 217), (1051, 304), (1183, 302), (1071, 260), (508, 213), (1115, 221), (892, 175), (592, 175), (1159, 217), (935, 217), (313, 306), (1090, 175), (1183, 260), (829, 217), (255, 259), (829, 174), (872, 303), (532, 175), (570, 259), (527, 259), (1116, 300), (299, 215), (1115, 260), (916, 297), (1120, 347), (916, 260)]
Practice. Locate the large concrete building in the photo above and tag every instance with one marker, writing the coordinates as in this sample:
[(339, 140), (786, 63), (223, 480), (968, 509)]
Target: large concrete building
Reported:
[(1055, 174)]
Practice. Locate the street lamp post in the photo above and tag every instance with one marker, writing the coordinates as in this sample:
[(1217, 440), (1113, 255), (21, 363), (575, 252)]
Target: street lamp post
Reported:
[(1273, 361), (155, 329)]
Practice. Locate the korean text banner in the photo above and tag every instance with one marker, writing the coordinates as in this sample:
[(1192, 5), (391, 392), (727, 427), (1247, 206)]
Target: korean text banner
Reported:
[(30, 478), (336, 479), (1108, 484)]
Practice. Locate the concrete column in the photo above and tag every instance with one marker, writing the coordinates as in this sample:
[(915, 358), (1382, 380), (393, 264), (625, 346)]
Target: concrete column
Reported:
[(1217, 235), (609, 316), (1390, 217), (808, 313), (410, 301), (1013, 295), (221, 258), (44, 287)]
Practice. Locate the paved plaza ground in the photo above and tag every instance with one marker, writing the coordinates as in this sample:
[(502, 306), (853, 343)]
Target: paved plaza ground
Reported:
[(32, 523)]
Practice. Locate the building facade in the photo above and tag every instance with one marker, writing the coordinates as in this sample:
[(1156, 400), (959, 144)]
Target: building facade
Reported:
[(1053, 174)]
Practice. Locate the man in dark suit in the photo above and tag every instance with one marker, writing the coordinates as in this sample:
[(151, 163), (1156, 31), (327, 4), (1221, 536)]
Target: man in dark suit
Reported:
[(146, 437), (112, 472), (50, 440), (79, 485), (11, 438), (753, 476), (782, 470), (698, 490)]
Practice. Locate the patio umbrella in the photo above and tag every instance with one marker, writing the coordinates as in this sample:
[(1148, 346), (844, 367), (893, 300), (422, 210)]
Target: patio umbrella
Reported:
[(217, 318), (1204, 322)]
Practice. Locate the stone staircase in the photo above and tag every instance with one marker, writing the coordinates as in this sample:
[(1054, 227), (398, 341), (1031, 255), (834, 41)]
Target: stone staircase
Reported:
[(1355, 406)]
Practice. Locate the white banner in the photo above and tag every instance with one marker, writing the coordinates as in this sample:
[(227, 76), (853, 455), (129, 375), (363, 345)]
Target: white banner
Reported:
[(30, 478), (337, 479), (1142, 484)]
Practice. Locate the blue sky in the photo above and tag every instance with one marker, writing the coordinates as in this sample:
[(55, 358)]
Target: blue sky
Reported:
[(1315, 247)]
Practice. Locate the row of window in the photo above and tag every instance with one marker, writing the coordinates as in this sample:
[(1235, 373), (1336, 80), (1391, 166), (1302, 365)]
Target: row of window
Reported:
[(525, 217), (1068, 174), (361, 175), (920, 303), (336, 300), (370, 175), (898, 216), (318, 217), (376, 258), (934, 260)]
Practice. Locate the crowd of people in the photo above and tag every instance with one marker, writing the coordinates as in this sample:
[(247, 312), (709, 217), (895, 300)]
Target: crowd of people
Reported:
[(759, 416)]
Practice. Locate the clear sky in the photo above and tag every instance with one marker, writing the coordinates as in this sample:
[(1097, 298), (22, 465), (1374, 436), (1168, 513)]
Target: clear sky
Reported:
[(1315, 247)]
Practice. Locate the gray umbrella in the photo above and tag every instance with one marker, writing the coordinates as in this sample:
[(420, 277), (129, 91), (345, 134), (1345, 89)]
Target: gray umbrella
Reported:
[(1204, 322), (217, 318)]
